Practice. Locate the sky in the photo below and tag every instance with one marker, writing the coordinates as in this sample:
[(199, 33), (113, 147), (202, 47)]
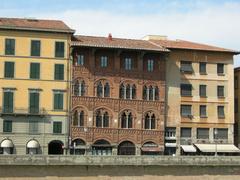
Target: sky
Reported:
[(214, 22)]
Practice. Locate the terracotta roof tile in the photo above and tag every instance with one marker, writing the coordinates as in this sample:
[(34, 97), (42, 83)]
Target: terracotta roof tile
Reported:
[(92, 41), (182, 44), (34, 24)]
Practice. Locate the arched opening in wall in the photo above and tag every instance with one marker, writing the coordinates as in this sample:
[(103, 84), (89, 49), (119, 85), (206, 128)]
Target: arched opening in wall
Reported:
[(55, 147), (126, 148), (150, 148), (6, 147), (32, 147), (101, 148), (78, 147)]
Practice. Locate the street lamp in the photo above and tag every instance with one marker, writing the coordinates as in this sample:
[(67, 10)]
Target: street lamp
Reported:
[(215, 134)]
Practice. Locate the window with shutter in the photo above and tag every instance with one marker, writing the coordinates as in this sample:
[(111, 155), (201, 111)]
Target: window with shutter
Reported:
[(203, 111), (186, 90), (202, 68), (59, 49), (9, 70), (8, 102), (186, 110), (7, 126), (202, 133), (34, 103), (220, 68), (220, 91), (221, 113), (58, 100), (59, 72), (186, 132), (202, 90), (186, 67), (220, 133), (35, 48), (35, 70), (10, 47), (33, 127), (57, 127)]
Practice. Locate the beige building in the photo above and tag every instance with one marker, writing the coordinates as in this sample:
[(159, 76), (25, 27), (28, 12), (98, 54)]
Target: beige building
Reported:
[(200, 97)]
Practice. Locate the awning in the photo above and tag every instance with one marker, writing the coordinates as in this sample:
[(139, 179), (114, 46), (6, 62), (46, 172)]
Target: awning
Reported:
[(33, 144), (6, 144), (170, 144), (222, 148), (151, 149), (188, 148)]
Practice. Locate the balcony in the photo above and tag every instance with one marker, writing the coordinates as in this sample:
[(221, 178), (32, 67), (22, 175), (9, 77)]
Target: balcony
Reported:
[(23, 111)]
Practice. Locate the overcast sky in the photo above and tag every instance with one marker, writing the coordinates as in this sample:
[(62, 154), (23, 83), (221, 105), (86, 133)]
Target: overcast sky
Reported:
[(215, 22)]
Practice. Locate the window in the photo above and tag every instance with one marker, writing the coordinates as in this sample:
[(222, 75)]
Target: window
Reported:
[(9, 70), (102, 118), (150, 93), (34, 102), (59, 72), (186, 110), (220, 91), (34, 70), (33, 127), (58, 100), (220, 68), (236, 82), (126, 120), (7, 101), (150, 65), (35, 48), (128, 63), (186, 67), (104, 60), (59, 49), (150, 121), (127, 91), (236, 105), (7, 126), (202, 68), (202, 133), (57, 127), (221, 113), (202, 90), (186, 90), (203, 111), (79, 88), (78, 118), (10, 47), (170, 132), (186, 132), (103, 89), (220, 133), (80, 60)]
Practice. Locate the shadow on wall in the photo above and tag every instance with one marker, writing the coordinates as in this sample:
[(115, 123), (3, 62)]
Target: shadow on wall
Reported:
[(116, 171)]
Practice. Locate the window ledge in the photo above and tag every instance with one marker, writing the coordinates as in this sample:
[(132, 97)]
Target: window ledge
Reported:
[(221, 74), (203, 73), (203, 97), (221, 117), (186, 96), (221, 97), (203, 117)]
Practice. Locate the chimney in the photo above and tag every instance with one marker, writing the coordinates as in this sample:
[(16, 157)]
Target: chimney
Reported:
[(110, 37)]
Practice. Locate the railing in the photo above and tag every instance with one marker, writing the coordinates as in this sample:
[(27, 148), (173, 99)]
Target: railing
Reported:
[(23, 111)]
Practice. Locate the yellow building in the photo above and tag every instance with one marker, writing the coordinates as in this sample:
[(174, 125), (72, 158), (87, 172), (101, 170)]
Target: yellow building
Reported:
[(200, 97), (34, 86)]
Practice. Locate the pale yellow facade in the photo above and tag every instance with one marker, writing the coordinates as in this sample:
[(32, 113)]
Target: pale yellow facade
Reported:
[(46, 86), (174, 79)]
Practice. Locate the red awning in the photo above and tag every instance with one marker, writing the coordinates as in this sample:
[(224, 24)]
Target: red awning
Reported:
[(151, 149)]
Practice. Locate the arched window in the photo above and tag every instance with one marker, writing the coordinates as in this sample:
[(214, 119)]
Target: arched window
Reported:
[(150, 93), (78, 118), (126, 120), (79, 88), (102, 118), (150, 121), (103, 89), (101, 147), (127, 91)]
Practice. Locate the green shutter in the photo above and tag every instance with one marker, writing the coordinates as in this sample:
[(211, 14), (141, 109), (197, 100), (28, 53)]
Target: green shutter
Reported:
[(9, 70), (35, 48), (59, 49), (57, 127), (8, 102), (34, 70), (7, 126), (10, 46), (59, 72), (58, 101), (34, 102)]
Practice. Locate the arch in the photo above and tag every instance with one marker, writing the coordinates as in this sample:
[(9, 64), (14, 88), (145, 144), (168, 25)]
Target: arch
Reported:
[(127, 90), (79, 87), (101, 147), (79, 116), (55, 147), (103, 88), (32, 147), (126, 148), (78, 147), (149, 120), (7, 146), (150, 92), (102, 117)]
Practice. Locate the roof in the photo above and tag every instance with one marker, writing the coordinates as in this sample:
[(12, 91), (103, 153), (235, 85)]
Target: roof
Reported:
[(118, 43), (35, 25), (182, 44)]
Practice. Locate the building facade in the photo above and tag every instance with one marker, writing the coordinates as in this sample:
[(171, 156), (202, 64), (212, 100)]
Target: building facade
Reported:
[(236, 105), (200, 97), (118, 98), (34, 86)]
